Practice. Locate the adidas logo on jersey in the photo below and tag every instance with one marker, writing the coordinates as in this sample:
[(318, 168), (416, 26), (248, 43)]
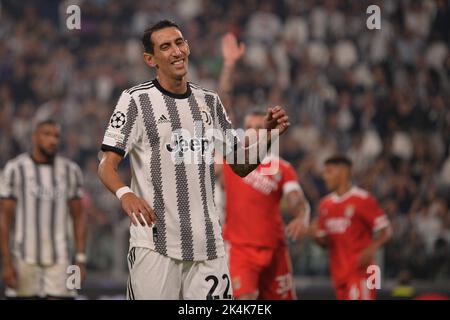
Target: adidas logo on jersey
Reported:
[(163, 119)]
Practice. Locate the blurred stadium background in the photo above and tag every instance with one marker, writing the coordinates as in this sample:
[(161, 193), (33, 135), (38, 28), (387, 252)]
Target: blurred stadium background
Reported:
[(381, 96)]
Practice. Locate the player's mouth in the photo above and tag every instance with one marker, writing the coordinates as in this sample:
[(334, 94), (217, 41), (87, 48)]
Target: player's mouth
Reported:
[(179, 64)]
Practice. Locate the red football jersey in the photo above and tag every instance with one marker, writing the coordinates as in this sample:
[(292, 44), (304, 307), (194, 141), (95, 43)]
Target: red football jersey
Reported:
[(349, 222), (252, 208)]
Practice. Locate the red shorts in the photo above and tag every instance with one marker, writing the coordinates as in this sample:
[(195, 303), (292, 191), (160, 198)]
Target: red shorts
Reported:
[(265, 271), (355, 288)]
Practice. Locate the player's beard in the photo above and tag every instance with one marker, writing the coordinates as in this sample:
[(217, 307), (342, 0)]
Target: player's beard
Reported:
[(179, 75), (49, 154)]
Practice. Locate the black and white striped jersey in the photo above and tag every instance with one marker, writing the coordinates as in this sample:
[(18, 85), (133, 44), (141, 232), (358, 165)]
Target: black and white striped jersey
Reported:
[(42, 192), (171, 140)]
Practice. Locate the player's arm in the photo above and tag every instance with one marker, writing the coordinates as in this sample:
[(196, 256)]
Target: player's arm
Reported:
[(379, 224), (136, 208), (79, 230), (79, 219), (7, 209), (276, 119), (380, 238), (231, 53), (299, 208)]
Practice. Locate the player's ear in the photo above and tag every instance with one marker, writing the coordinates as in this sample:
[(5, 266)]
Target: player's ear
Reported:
[(150, 60), (188, 48)]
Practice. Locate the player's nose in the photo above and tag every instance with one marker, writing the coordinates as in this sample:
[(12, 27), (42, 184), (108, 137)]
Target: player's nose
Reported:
[(176, 52)]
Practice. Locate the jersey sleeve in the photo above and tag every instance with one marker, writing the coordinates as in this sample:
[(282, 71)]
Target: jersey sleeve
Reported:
[(289, 180), (123, 128), (75, 187), (373, 215), (8, 182), (226, 140)]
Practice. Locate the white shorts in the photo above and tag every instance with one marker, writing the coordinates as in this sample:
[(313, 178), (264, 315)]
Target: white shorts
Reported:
[(157, 277), (40, 281)]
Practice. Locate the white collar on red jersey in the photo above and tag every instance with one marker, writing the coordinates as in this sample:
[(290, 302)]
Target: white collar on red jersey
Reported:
[(354, 190)]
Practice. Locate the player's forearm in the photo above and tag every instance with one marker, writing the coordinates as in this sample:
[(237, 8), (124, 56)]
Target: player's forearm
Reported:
[(226, 81), (6, 216), (300, 212), (383, 236), (109, 175), (79, 219), (225, 88), (253, 155), (243, 169), (298, 207)]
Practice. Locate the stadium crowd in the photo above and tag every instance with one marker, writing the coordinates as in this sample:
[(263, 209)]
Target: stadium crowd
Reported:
[(381, 96)]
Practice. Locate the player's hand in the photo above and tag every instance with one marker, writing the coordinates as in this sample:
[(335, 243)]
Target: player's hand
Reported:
[(296, 229), (366, 257), (10, 276), (138, 210), (231, 50), (276, 118)]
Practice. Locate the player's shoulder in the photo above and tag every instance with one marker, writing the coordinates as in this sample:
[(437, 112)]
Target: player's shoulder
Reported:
[(284, 164), (18, 160), (360, 193), (139, 87), (284, 168), (198, 88)]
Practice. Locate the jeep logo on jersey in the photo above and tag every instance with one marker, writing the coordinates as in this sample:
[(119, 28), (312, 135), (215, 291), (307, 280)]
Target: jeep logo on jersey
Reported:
[(182, 145)]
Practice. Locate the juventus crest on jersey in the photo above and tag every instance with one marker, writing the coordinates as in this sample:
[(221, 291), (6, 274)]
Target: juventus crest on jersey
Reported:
[(42, 218), (157, 129)]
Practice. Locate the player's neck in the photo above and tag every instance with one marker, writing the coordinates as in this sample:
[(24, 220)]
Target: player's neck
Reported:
[(177, 86), (41, 158), (343, 188)]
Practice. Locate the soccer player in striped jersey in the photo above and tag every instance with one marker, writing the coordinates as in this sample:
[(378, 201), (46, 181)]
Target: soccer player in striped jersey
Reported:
[(39, 192), (176, 246)]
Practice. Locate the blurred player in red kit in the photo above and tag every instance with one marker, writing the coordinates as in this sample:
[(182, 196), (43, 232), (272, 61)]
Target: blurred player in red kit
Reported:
[(352, 226), (260, 266)]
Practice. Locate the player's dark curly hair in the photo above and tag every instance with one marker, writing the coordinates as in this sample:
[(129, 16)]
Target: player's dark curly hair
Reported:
[(339, 160), (147, 36), (41, 122)]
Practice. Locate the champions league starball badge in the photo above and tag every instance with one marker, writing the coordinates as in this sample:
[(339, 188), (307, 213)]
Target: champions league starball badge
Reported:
[(117, 120)]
